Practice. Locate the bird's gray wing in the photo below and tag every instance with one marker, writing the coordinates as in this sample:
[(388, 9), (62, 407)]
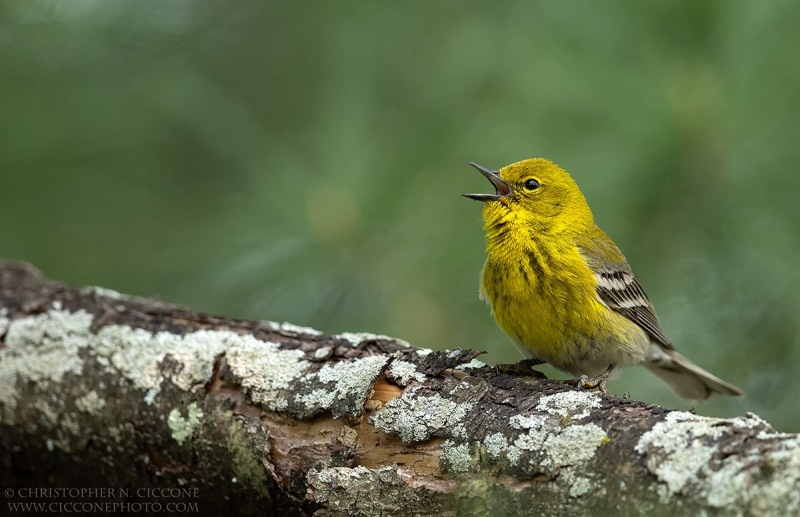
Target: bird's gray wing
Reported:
[(619, 290)]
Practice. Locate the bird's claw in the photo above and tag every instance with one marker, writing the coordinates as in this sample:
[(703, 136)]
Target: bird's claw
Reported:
[(599, 382), (587, 383)]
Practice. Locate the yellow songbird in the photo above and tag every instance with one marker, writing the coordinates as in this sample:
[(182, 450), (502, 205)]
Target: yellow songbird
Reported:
[(563, 292)]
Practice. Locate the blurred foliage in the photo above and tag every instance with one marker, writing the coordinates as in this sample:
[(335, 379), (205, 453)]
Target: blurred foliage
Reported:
[(304, 161)]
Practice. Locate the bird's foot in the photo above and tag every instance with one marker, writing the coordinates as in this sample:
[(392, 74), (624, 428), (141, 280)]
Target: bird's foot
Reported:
[(598, 382), (524, 367), (587, 383)]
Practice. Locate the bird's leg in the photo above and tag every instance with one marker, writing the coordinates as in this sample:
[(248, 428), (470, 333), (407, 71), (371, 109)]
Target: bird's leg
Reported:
[(598, 382), (524, 367)]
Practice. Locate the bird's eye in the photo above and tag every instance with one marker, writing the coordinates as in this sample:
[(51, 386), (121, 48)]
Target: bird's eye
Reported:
[(531, 184)]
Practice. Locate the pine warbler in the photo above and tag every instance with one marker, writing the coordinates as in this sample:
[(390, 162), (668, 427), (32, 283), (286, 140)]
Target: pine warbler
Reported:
[(563, 292)]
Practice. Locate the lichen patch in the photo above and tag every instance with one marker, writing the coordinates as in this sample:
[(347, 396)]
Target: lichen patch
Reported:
[(690, 453), (404, 372), (182, 427), (40, 349), (90, 403), (496, 445), (580, 486), (347, 386), (266, 370), (104, 292), (291, 327), (356, 338), (456, 457), (416, 418), (535, 446), (576, 405), (574, 445), (45, 347), (674, 450), (361, 491), (138, 354)]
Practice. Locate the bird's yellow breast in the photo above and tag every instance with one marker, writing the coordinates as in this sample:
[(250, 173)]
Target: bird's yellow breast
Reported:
[(542, 295)]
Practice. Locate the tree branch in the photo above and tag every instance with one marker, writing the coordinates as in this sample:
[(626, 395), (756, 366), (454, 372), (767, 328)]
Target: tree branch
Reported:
[(260, 417)]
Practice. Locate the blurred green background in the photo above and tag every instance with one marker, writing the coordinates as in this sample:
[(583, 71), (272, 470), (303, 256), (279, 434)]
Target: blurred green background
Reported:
[(304, 161)]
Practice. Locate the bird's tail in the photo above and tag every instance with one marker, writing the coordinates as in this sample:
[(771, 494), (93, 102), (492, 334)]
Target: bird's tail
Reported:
[(686, 378)]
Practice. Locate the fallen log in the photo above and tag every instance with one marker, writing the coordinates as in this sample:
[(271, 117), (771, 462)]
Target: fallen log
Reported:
[(108, 399)]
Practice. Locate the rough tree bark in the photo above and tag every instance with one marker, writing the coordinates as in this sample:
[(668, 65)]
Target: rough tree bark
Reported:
[(102, 390)]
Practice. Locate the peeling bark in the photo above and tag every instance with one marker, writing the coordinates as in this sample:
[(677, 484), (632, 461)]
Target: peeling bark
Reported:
[(265, 418)]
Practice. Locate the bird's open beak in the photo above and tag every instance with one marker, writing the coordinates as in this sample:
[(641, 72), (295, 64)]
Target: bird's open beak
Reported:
[(501, 186)]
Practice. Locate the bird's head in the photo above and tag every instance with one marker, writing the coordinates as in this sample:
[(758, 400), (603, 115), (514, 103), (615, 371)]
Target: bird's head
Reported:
[(535, 192)]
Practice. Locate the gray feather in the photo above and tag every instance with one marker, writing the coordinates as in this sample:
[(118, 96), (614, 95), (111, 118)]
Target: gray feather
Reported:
[(687, 379), (619, 290)]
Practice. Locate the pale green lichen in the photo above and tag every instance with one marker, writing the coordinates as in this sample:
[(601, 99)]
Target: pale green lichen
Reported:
[(182, 427), (779, 494), (40, 349), (138, 353), (61, 428), (561, 447), (527, 422), (47, 413), (69, 436), (90, 403), (565, 450), (576, 405), (196, 353), (496, 444), (360, 491), (132, 352), (351, 382), (265, 369), (104, 292), (677, 437), (317, 399), (574, 445), (345, 478), (353, 376), (580, 486), (682, 452), (356, 338), (150, 396), (404, 372), (456, 457), (45, 347), (542, 446), (417, 418), (291, 327)]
